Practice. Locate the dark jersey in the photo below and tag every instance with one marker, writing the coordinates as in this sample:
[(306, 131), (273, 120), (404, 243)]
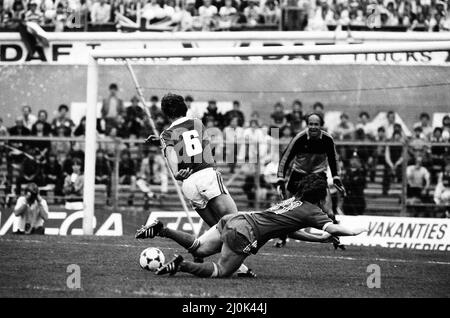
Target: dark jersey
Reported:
[(309, 155), (191, 144), (286, 217)]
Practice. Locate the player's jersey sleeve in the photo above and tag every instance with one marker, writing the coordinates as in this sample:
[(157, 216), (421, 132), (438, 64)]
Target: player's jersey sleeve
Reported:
[(289, 154), (317, 218)]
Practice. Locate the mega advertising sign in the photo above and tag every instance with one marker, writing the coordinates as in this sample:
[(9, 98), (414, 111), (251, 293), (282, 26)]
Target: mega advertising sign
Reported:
[(390, 232), (72, 48)]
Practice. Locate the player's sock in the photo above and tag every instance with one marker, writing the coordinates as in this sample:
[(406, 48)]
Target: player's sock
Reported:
[(243, 269), (184, 239), (207, 269)]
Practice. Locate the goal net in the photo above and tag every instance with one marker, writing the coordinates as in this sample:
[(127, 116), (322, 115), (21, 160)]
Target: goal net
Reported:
[(347, 79)]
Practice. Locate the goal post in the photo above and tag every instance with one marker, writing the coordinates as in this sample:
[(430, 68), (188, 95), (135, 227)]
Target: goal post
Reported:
[(96, 55)]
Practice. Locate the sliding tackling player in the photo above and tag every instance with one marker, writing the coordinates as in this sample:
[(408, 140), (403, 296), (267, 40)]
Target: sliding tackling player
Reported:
[(236, 236)]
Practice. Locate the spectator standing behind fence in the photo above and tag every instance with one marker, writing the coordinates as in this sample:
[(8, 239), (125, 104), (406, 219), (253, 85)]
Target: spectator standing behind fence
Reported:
[(28, 118), (213, 113), (418, 178), (34, 14), (235, 112), (62, 120), (253, 13), (393, 163), (42, 118), (31, 212), (233, 135), (354, 180), (207, 13), (278, 117), (364, 124), (112, 105), (100, 12), (127, 173), (73, 186), (442, 190), (53, 176), (446, 128), (271, 12), (424, 123), (296, 117), (228, 16), (103, 173)]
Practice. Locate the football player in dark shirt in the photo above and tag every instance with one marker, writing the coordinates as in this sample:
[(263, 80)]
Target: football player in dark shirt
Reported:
[(311, 151), (186, 145), (236, 236)]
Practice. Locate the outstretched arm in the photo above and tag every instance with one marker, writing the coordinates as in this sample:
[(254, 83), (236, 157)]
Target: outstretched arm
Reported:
[(302, 235), (339, 230)]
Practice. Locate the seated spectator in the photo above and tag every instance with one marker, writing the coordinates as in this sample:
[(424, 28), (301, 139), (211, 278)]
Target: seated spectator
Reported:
[(344, 130), (60, 18), (34, 14), (228, 16), (18, 10), (378, 154), (271, 12), (120, 129), (42, 118), (28, 118), (103, 173), (153, 12), (393, 163), (364, 124), (152, 170), (233, 135), (442, 191), (213, 114), (42, 145), (278, 117), (391, 125), (100, 12), (74, 185), (235, 112), (62, 121), (296, 117), (208, 13), (127, 173), (354, 180), (135, 110), (31, 212), (286, 135), (254, 116), (61, 148), (438, 153), (418, 179), (253, 13), (424, 123), (418, 146), (112, 105), (154, 108), (446, 128), (52, 172), (18, 130), (31, 170), (216, 140), (81, 128), (133, 125)]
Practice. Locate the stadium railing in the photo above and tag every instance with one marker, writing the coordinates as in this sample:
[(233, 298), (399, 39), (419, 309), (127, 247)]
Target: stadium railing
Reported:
[(249, 163)]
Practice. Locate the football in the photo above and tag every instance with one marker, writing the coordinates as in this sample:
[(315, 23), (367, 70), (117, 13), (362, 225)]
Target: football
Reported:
[(151, 259)]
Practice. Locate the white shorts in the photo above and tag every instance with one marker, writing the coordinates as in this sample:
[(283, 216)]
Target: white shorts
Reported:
[(202, 186)]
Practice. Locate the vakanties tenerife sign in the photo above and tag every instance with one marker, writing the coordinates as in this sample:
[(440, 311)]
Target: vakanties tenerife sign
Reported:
[(390, 232), (70, 48)]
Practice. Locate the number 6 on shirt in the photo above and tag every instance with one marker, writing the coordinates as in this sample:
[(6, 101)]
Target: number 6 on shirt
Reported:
[(192, 141)]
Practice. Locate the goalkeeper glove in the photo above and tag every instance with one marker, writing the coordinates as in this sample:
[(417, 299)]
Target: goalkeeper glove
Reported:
[(153, 140), (281, 188), (337, 243), (339, 186)]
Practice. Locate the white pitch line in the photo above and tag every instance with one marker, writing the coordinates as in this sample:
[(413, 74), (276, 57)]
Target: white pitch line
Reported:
[(266, 254)]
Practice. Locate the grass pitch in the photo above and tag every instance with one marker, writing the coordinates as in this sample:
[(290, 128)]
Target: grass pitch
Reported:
[(36, 266)]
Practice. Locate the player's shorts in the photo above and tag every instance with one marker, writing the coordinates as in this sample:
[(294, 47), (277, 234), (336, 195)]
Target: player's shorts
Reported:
[(202, 186), (237, 233)]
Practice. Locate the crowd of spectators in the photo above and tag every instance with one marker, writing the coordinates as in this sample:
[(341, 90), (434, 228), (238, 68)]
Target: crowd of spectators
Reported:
[(236, 141), (213, 15)]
